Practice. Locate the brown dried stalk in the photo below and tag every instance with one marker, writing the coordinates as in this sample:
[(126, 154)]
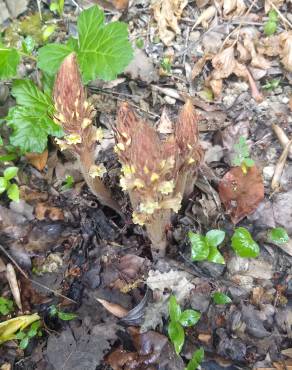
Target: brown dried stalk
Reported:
[(75, 115), (157, 174)]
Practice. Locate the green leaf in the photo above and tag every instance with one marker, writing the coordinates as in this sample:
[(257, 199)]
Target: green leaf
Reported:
[(1, 141), (10, 173), (215, 237), (48, 31), (51, 56), (28, 44), (174, 309), (53, 310), (215, 256), (20, 335), (199, 247), (189, 318), (278, 235), (221, 298), (3, 184), (9, 60), (177, 335), (104, 49), (197, 358), (270, 28), (243, 243), (66, 316), (27, 94), (6, 306), (30, 129), (24, 343), (13, 192), (33, 330), (273, 15), (248, 162)]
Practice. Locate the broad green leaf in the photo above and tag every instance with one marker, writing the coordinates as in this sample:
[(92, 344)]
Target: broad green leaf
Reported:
[(9, 328), (13, 192), (189, 318), (6, 306), (177, 335), (30, 129), (273, 15), (199, 247), (24, 343), (48, 31), (34, 329), (66, 316), (278, 235), (215, 256), (10, 173), (243, 243), (27, 94), (197, 358), (104, 49), (20, 335), (174, 309), (51, 56), (3, 184), (221, 298), (215, 237), (9, 60)]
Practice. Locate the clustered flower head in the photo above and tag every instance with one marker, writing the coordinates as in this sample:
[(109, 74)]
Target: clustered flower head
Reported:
[(157, 174)]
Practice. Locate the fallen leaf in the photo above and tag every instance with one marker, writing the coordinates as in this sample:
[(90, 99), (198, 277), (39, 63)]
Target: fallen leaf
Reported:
[(12, 280), (9, 328), (114, 308), (165, 126), (167, 13), (223, 63), (269, 46), (38, 160), (241, 194), (206, 16), (142, 67), (236, 7), (43, 211), (286, 41), (199, 65), (268, 5)]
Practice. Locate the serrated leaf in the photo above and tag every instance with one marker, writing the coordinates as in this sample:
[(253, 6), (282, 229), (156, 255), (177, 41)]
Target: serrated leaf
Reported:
[(215, 256), (174, 309), (27, 94), (31, 129), (197, 358), (9, 60), (13, 192), (278, 235), (189, 318), (221, 298), (199, 247), (10, 173), (177, 335), (215, 237), (66, 316), (243, 244), (51, 56), (3, 184)]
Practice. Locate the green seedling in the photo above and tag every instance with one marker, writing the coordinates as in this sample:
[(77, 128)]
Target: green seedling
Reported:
[(65, 316), (196, 360), (68, 183), (242, 157), (11, 189), (271, 25), (178, 320), (272, 84), (205, 248), (6, 306), (221, 298), (25, 335), (140, 43), (278, 236), (243, 244), (166, 65), (57, 7)]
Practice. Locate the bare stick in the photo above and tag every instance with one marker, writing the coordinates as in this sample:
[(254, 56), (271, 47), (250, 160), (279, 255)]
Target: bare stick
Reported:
[(280, 167), (282, 137)]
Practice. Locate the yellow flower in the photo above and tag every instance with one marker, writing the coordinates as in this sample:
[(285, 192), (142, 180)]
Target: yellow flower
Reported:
[(97, 170), (73, 139), (166, 187), (149, 207)]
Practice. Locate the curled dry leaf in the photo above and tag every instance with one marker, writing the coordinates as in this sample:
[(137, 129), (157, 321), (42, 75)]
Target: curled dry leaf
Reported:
[(12, 280), (38, 160), (167, 13), (114, 308), (240, 193), (206, 16), (286, 42), (235, 8), (223, 63)]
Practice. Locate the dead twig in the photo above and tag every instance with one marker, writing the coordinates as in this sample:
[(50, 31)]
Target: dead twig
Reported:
[(282, 137), (280, 167), (12, 280)]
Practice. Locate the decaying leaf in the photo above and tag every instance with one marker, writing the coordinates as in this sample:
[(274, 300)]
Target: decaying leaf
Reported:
[(268, 5), (167, 13), (38, 160), (223, 63), (240, 193), (9, 328), (75, 114), (286, 42), (114, 308), (206, 16), (12, 280), (44, 211), (233, 7)]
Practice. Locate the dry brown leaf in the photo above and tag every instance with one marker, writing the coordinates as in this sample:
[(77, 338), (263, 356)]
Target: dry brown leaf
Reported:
[(257, 60), (12, 280), (268, 5), (236, 7), (286, 41), (199, 65), (223, 63), (167, 13), (38, 160), (240, 193), (202, 3), (43, 211), (216, 86), (244, 54), (206, 16), (114, 308), (269, 46)]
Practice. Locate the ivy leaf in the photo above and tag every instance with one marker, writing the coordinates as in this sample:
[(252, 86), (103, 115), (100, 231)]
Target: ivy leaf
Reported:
[(215, 256), (66, 316), (278, 235), (177, 335), (215, 237), (174, 309), (10, 173), (9, 60), (197, 358), (189, 318), (243, 244), (221, 298), (13, 192), (199, 247)]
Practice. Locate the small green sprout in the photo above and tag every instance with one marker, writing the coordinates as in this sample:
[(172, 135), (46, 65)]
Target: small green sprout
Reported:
[(140, 43), (178, 320), (57, 6), (272, 84), (6, 185), (25, 335), (196, 360), (221, 298), (242, 157), (278, 236), (271, 25), (65, 316), (243, 244), (6, 306), (166, 65), (204, 248), (68, 183)]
